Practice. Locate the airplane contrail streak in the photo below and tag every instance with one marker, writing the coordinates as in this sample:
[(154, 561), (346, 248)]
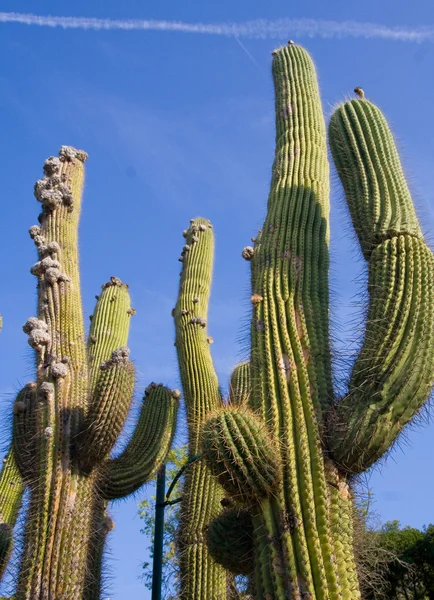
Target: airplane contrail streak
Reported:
[(257, 29)]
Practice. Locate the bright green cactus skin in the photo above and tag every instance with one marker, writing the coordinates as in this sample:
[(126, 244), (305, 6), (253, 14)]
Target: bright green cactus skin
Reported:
[(201, 576), (240, 453), (303, 544), (66, 424), (240, 386), (11, 494), (399, 341)]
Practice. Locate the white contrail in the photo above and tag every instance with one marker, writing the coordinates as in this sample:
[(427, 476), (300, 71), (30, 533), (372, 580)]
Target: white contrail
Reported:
[(259, 29)]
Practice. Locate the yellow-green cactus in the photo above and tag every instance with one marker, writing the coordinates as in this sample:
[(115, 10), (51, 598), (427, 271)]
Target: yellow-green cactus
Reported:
[(66, 424), (294, 423)]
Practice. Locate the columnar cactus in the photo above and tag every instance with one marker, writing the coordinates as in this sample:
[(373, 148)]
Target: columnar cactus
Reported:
[(67, 422), (287, 456)]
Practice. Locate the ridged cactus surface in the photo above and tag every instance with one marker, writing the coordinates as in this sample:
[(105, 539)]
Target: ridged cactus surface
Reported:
[(284, 424), (66, 423)]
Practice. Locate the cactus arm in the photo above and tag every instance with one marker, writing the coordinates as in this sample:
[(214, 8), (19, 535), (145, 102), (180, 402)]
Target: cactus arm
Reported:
[(393, 374), (110, 325), (240, 385), (111, 375), (11, 490), (201, 577), (24, 430), (370, 169), (199, 379), (147, 448), (108, 410), (11, 495), (102, 524)]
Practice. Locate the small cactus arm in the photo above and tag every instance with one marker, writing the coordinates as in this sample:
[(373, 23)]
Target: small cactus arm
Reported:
[(66, 424), (289, 454), (240, 385), (11, 494)]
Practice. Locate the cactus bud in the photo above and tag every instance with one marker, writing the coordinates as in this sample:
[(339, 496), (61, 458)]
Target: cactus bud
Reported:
[(247, 253)]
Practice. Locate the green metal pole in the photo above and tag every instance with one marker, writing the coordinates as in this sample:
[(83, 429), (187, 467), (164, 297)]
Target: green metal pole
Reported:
[(157, 567)]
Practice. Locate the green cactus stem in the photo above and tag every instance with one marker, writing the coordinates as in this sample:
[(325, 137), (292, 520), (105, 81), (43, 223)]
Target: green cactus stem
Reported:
[(303, 530), (201, 576), (147, 448), (240, 385), (11, 495), (24, 430), (66, 424), (102, 525), (393, 373)]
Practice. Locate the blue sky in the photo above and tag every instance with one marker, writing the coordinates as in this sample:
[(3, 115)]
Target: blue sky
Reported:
[(179, 125)]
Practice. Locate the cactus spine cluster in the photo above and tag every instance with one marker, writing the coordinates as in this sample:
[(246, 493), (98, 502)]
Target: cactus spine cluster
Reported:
[(66, 423), (286, 448)]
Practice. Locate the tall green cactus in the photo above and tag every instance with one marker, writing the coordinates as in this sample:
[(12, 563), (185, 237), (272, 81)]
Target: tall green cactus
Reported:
[(66, 424), (287, 455)]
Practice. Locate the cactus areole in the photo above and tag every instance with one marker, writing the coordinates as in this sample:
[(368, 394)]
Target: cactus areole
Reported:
[(300, 498), (66, 423)]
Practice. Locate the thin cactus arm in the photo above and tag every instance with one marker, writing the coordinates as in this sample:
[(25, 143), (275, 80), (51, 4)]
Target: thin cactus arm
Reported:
[(108, 409), (24, 430), (11, 494), (110, 324), (102, 524), (240, 386), (394, 371), (11, 490), (111, 375), (147, 448), (201, 577), (199, 379)]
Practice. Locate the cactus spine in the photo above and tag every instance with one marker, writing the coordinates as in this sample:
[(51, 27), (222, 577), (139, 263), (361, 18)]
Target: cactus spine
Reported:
[(302, 520), (66, 424)]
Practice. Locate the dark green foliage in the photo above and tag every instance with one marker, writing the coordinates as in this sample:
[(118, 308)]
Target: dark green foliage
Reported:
[(407, 567)]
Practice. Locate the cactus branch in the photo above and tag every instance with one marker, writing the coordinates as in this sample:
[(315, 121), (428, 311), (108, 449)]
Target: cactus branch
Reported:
[(393, 373), (148, 447)]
